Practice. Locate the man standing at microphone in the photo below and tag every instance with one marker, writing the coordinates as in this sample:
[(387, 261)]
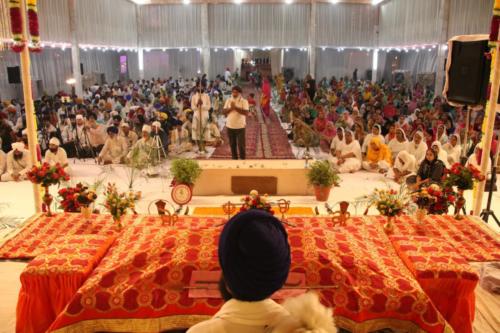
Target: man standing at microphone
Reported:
[(200, 104), (236, 110)]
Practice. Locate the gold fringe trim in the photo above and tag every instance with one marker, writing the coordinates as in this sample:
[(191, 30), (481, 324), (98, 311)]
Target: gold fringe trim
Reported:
[(379, 324), (134, 325)]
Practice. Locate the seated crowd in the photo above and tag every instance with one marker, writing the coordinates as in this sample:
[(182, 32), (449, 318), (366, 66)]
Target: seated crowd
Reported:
[(404, 133), (111, 122)]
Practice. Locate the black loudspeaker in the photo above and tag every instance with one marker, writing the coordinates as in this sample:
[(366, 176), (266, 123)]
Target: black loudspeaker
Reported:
[(14, 75), (469, 72), (369, 74), (288, 74), (81, 68)]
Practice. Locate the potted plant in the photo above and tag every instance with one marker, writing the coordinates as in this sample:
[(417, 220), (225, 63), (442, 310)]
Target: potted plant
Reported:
[(185, 171), (322, 176)]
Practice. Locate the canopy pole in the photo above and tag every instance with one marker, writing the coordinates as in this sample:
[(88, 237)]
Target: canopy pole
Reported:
[(488, 125), (29, 108)]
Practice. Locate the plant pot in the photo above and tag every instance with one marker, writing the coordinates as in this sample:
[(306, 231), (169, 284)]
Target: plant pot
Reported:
[(322, 192), (86, 211)]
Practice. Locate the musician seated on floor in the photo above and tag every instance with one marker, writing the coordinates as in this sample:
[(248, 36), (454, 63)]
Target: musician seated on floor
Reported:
[(56, 155), (254, 255), (18, 163), (115, 148)]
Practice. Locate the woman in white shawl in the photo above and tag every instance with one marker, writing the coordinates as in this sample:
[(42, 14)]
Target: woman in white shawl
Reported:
[(475, 160), (337, 142), (441, 153), (405, 165), (376, 132), (417, 147), (348, 158), (441, 134), (399, 143), (454, 149)]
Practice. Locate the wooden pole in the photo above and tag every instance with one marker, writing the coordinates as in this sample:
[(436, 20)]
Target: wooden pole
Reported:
[(490, 124), (28, 105)]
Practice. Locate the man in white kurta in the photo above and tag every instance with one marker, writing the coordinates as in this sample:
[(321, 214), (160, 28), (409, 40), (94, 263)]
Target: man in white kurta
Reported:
[(18, 163), (348, 157), (129, 136), (115, 148), (141, 150), (200, 104), (56, 155)]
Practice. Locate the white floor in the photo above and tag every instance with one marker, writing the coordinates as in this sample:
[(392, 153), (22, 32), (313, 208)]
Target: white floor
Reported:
[(16, 204)]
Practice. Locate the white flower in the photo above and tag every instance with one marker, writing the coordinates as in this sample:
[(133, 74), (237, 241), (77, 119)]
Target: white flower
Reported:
[(254, 193)]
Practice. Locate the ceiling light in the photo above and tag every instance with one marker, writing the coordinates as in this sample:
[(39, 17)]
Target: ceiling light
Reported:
[(333, 2), (376, 2), (186, 2), (141, 2), (288, 2), (238, 2)]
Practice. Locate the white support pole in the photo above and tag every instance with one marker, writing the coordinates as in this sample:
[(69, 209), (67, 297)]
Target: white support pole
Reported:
[(140, 50), (488, 131), (75, 50), (374, 65), (312, 40), (205, 50), (29, 107), (443, 38), (140, 58)]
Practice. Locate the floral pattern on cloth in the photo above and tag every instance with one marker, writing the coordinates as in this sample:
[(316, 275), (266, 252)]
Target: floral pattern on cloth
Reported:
[(444, 275), (40, 231), (51, 280), (143, 282)]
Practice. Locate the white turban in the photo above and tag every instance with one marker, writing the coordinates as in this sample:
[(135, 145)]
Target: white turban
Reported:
[(54, 141), (79, 117), (156, 124), (18, 146), (146, 128)]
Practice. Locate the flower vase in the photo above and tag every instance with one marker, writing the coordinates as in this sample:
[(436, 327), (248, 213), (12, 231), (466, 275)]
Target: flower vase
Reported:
[(459, 204), (86, 211), (47, 200), (389, 225), (118, 221), (420, 215)]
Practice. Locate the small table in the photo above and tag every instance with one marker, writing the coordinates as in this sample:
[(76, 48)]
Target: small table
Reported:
[(51, 280), (444, 275)]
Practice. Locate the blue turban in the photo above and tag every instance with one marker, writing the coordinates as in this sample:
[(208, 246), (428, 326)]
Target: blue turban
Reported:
[(254, 255)]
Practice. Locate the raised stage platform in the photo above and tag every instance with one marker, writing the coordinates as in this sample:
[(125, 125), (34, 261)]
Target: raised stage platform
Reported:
[(230, 177), (143, 282)]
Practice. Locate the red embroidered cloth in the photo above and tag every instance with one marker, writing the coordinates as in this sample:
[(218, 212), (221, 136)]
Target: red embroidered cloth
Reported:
[(40, 231), (51, 280), (142, 282), (444, 275)]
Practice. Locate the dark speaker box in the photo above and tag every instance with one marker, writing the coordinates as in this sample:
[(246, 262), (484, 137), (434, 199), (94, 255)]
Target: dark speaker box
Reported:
[(288, 74), (81, 68), (14, 75), (469, 72)]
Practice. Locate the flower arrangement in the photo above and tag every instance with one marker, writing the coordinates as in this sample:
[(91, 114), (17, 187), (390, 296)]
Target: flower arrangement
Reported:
[(422, 198), (16, 25), (47, 175), (444, 197), (390, 202), (73, 198), (33, 26), (118, 203), (462, 177), (256, 201)]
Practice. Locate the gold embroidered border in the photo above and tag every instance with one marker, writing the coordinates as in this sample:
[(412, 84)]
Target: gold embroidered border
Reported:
[(142, 325), (379, 324), (19, 229)]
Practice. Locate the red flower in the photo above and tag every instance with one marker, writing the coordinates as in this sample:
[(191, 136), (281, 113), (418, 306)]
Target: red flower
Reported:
[(451, 198)]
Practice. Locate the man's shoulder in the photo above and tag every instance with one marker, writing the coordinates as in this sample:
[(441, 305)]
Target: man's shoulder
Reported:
[(209, 326)]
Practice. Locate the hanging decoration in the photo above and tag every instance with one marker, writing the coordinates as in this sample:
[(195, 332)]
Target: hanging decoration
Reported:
[(16, 25), (34, 30)]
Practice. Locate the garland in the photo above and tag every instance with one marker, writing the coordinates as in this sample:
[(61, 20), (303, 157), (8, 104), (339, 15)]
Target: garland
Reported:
[(33, 26), (16, 25)]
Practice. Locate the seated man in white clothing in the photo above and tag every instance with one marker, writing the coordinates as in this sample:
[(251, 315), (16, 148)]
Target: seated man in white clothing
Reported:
[(348, 157), (115, 148), (56, 155), (18, 163), (254, 255)]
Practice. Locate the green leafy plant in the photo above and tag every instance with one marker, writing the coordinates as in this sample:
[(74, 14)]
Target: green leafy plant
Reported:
[(185, 171), (321, 173), (135, 164)]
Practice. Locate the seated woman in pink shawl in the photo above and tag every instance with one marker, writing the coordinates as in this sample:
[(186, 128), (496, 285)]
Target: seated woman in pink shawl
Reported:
[(265, 100)]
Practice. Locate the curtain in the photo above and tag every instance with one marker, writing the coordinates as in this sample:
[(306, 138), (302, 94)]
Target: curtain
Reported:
[(332, 62), (297, 60), (170, 26), (106, 22), (408, 22), (415, 62), (53, 18), (221, 60), (132, 65), (469, 17), (173, 63), (345, 24), (259, 25)]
